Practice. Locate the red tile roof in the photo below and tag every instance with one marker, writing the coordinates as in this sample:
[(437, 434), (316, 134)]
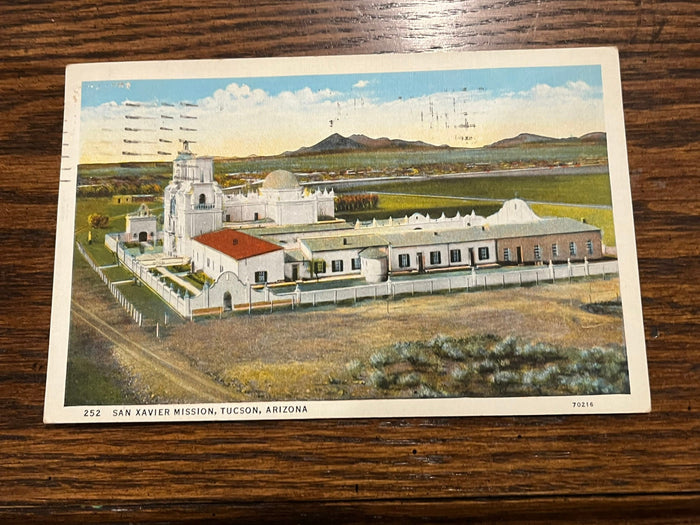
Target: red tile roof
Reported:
[(236, 244)]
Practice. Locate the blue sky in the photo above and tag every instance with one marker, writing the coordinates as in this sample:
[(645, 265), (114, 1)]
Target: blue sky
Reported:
[(270, 115), (381, 86)]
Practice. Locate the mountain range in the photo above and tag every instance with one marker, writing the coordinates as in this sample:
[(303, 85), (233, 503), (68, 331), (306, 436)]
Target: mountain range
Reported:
[(597, 137), (337, 143)]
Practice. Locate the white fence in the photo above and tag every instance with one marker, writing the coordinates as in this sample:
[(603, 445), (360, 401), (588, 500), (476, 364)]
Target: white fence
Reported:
[(133, 312), (473, 281), (179, 302), (242, 296)]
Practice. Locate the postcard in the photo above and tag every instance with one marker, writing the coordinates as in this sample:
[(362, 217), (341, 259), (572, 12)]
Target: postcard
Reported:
[(437, 234)]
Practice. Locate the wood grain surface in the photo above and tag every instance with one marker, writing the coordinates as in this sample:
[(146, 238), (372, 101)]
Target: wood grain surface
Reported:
[(641, 468)]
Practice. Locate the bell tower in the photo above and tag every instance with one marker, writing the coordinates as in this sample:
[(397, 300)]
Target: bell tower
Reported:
[(192, 202)]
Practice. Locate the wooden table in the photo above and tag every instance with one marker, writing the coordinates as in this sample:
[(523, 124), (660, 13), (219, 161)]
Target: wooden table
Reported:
[(642, 468)]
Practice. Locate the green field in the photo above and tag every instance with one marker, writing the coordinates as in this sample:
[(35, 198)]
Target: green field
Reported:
[(117, 223), (136, 169), (602, 218), (572, 189), (429, 197), (444, 161), (398, 206)]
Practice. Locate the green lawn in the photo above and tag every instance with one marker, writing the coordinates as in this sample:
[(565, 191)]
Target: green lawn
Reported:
[(118, 273), (601, 218), (572, 189), (117, 223), (398, 206)]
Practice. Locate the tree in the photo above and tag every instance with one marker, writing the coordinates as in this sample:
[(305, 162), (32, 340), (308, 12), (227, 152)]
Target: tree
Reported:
[(97, 220)]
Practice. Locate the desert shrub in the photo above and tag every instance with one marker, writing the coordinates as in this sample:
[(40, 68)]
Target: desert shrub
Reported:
[(463, 374), (477, 346), (447, 347), (354, 368), (424, 391), (409, 380), (505, 380), (382, 358), (413, 354), (504, 351), (379, 379), (539, 353), (487, 366)]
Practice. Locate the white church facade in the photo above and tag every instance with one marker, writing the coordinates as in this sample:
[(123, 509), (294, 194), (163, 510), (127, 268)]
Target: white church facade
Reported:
[(283, 232)]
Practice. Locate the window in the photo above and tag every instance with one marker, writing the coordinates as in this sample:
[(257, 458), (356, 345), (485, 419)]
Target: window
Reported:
[(455, 256), (320, 267), (572, 248), (261, 276), (538, 252), (589, 247), (435, 258), (202, 198), (337, 265), (404, 260), (356, 264), (506, 254), (483, 253), (208, 262), (555, 250)]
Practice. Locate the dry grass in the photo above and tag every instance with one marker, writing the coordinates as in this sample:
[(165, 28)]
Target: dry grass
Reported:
[(304, 354), (308, 353)]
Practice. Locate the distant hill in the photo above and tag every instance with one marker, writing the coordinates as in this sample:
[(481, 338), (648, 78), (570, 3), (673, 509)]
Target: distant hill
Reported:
[(336, 143), (532, 139)]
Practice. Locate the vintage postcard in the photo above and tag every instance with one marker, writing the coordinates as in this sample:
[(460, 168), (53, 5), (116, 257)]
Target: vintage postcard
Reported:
[(441, 234)]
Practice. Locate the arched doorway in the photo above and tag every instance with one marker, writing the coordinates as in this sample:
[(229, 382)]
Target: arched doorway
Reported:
[(227, 302), (143, 236)]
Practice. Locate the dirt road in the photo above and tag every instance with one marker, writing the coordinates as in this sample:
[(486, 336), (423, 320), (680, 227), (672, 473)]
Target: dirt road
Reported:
[(175, 377)]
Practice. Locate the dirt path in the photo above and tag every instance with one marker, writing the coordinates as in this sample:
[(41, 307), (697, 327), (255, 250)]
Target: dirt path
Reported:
[(194, 383)]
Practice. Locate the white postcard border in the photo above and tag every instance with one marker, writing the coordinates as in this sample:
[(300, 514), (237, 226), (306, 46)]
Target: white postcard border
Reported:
[(637, 401)]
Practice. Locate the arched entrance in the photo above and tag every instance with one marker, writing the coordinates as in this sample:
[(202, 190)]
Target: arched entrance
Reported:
[(143, 236), (227, 302)]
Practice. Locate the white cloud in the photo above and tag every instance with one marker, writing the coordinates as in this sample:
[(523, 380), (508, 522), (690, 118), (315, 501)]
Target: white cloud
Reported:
[(361, 84), (240, 120)]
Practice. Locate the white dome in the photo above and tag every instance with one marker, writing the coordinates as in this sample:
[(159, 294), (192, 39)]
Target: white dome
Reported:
[(280, 180)]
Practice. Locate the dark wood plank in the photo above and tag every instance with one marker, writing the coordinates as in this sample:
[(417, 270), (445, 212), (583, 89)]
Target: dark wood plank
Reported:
[(597, 469)]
